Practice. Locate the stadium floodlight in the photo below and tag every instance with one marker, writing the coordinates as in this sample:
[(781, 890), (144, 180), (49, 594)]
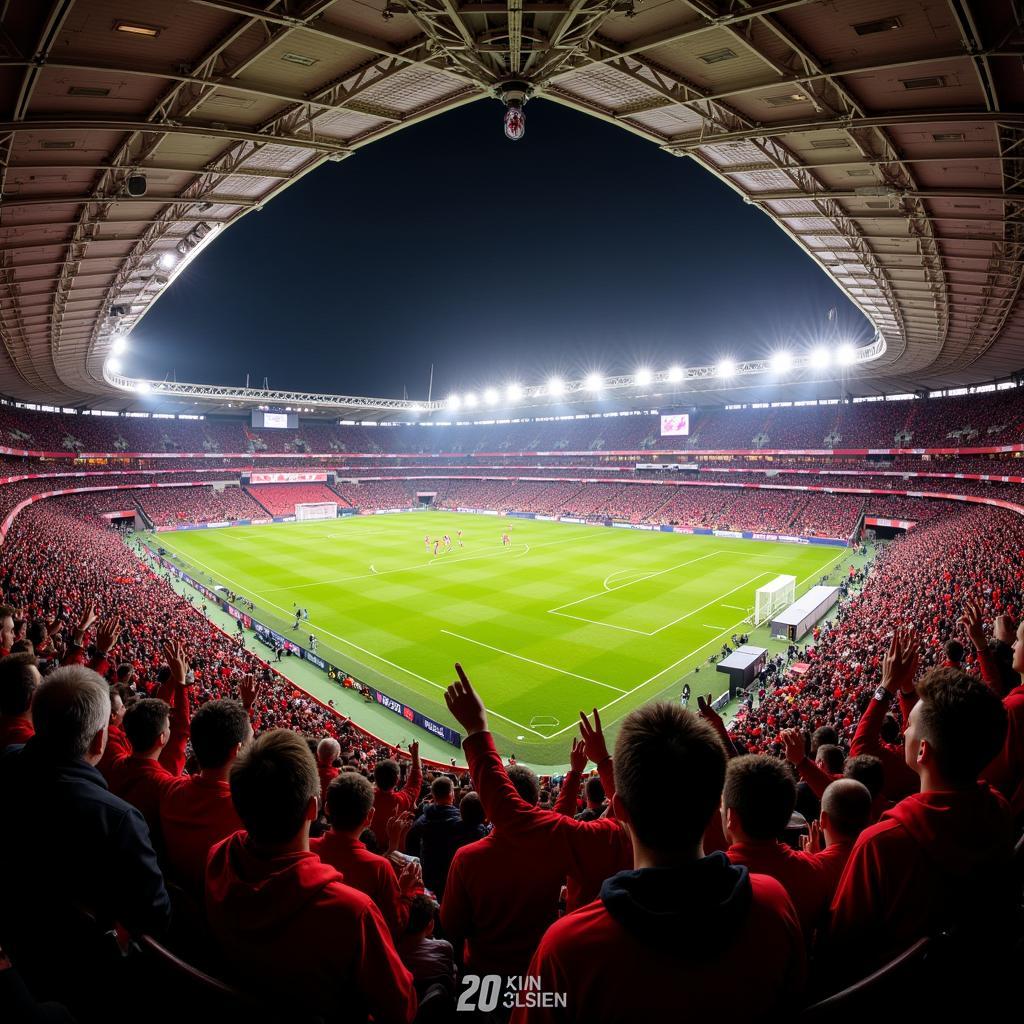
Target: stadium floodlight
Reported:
[(675, 374), (555, 385), (142, 387), (643, 376), (470, 400), (118, 344), (415, 410), (595, 382), (514, 392), (846, 355), (167, 261), (782, 362), (821, 358), (726, 368), (491, 396), (114, 365), (454, 401)]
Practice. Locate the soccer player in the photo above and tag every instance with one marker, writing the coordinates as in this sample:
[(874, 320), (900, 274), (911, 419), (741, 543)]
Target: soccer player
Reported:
[(458, 533), (436, 545), (447, 542), (426, 540)]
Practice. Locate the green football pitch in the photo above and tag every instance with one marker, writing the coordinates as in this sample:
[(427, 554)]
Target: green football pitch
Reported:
[(566, 618)]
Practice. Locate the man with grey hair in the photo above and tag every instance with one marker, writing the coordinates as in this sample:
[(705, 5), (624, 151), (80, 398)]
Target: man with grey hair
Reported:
[(70, 845)]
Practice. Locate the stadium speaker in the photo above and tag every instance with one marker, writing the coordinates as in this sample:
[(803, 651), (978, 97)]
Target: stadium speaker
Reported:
[(136, 184)]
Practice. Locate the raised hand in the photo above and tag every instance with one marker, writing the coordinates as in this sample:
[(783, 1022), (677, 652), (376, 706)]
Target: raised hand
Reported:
[(578, 757), (593, 737), (174, 655), (899, 666), (706, 711), (397, 829), (107, 633), (465, 704), (1004, 629), (971, 620), (410, 881), (248, 690), (87, 619), (794, 746), (814, 841), (414, 750)]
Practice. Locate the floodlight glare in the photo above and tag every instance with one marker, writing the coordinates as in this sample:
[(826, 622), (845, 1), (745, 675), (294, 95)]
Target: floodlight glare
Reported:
[(675, 374), (555, 385), (491, 396), (470, 400), (846, 355), (114, 365), (118, 344), (167, 261), (726, 368), (643, 376), (821, 358), (594, 382), (142, 387), (513, 392), (454, 401), (782, 362)]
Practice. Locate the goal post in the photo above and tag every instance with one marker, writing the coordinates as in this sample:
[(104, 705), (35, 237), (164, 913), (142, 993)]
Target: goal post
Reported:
[(773, 597), (309, 510)]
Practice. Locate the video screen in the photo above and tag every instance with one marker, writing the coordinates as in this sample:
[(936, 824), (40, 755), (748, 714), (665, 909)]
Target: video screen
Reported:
[(677, 425)]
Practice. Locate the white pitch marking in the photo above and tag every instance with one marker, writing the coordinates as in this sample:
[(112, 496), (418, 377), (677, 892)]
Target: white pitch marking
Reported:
[(540, 664)]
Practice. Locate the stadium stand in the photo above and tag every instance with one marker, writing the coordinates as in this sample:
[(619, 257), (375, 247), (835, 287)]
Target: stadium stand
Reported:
[(82, 602)]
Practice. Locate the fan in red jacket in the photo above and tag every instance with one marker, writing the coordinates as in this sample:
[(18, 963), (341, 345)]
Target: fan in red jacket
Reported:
[(939, 858), (157, 731), (757, 804), (19, 679), (349, 808), (389, 802), (665, 938), (291, 930), (1006, 771), (328, 750), (502, 891), (196, 812)]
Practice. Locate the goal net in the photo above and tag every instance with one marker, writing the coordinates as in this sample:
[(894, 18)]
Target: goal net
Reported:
[(316, 510), (773, 597)]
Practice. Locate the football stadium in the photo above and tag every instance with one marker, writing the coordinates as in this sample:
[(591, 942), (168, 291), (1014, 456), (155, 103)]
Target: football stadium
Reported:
[(563, 562)]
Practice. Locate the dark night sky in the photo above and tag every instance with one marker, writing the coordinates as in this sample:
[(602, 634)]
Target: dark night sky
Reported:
[(581, 247)]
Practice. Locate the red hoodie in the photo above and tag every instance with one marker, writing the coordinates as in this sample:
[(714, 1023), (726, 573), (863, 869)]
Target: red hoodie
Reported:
[(116, 750), (389, 802), (196, 813), (292, 929), (705, 941), (502, 891), (15, 730), (366, 871), (933, 860), (900, 779), (1006, 772)]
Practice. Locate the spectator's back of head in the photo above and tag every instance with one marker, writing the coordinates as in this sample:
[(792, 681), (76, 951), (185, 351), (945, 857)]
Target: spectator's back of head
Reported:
[(526, 782), (441, 790), (831, 758), (145, 722), (846, 808), (759, 792), (328, 750), (954, 652), (70, 711), (471, 810), (219, 729), (422, 909), (868, 770), (595, 791), (349, 800), (822, 735), (386, 774), (956, 728), (669, 768), (274, 786), (19, 679)]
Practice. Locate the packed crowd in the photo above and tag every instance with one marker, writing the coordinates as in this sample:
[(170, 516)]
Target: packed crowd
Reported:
[(970, 420), (281, 499), (173, 506)]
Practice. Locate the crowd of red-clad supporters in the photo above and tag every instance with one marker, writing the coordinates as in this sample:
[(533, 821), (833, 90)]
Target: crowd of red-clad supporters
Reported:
[(174, 505), (980, 419), (281, 499)]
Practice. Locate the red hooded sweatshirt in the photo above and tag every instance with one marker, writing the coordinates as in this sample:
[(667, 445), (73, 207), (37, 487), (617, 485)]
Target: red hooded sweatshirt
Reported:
[(502, 891), (705, 941), (389, 802), (366, 871), (292, 930), (1006, 772), (933, 860)]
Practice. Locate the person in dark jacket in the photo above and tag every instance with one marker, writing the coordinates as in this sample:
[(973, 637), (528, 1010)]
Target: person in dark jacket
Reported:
[(435, 833), (73, 853)]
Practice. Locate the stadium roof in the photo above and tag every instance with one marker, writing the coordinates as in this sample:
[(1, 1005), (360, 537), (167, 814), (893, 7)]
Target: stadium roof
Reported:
[(885, 138)]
